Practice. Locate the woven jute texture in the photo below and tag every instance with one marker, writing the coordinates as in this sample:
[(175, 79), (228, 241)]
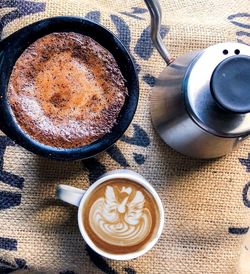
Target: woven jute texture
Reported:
[(207, 205)]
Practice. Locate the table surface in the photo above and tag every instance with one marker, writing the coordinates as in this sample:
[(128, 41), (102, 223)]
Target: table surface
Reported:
[(207, 205)]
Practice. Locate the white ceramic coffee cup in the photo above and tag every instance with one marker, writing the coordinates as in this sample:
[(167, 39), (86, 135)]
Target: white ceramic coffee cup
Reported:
[(77, 197)]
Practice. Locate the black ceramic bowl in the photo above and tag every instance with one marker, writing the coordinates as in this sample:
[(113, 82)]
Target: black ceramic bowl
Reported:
[(13, 46)]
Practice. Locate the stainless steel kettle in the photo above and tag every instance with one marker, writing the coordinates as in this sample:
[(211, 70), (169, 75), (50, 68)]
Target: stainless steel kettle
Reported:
[(200, 105)]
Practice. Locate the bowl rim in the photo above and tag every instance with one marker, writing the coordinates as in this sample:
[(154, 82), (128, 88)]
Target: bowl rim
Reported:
[(27, 36)]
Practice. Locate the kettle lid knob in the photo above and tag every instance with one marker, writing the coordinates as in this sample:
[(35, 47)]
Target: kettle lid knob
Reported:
[(230, 84)]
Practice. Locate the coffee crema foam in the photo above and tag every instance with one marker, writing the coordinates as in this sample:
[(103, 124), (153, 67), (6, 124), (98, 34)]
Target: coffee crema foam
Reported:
[(121, 216)]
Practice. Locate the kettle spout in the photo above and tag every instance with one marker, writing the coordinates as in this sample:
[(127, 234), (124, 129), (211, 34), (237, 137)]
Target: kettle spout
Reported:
[(155, 13)]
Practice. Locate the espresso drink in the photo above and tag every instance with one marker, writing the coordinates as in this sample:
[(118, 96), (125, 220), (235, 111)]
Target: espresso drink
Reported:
[(66, 90), (121, 216)]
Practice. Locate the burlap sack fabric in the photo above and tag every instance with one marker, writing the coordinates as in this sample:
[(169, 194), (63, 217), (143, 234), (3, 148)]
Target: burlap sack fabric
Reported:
[(207, 206)]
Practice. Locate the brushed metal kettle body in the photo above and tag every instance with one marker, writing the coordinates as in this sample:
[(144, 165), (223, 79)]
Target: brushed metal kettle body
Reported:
[(185, 113)]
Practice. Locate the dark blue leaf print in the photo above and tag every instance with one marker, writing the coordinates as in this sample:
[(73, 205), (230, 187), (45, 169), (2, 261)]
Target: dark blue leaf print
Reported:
[(246, 26), (123, 31), (9, 199), (242, 34), (139, 158), (7, 267), (94, 16), (5, 141), (246, 201), (135, 10), (245, 198), (139, 138), (100, 262), (240, 15), (8, 244), (137, 66), (138, 10), (246, 162), (11, 179), (129, 270), (6, 177), (149, 79), (144, 46), (95, 169), (22, 8), (242, 42), (115, 153), (21, 263), (238, 230)]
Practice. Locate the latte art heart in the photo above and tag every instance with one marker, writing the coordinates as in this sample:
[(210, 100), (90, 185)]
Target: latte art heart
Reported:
[(120, 217)]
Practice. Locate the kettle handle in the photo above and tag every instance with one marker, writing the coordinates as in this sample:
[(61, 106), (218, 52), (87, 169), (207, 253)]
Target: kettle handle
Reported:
[(155, 13)]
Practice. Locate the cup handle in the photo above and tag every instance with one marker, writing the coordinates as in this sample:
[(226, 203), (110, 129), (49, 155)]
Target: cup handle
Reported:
[(69, 194)]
